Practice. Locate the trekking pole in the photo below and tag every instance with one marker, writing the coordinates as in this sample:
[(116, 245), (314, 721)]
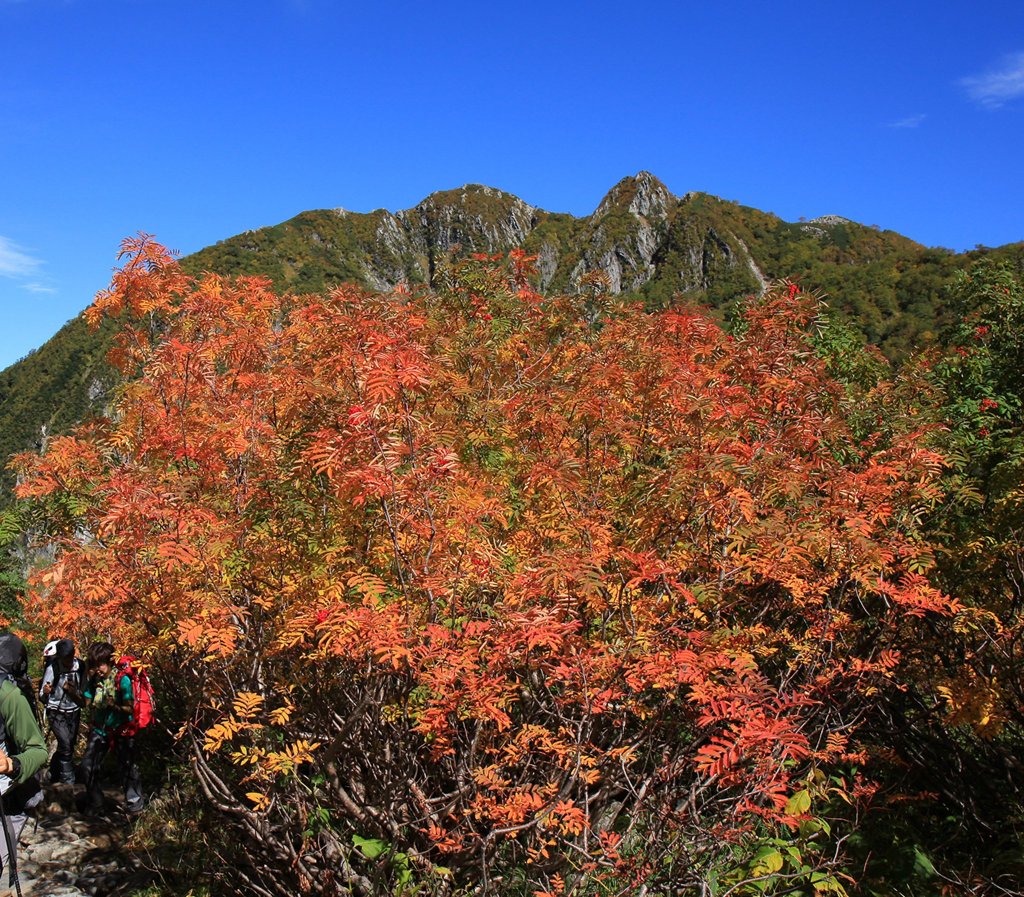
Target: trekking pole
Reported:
[(12, 850)]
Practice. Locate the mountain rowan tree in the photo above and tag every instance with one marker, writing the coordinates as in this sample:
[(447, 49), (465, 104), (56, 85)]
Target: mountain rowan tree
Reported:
[(481, 589)]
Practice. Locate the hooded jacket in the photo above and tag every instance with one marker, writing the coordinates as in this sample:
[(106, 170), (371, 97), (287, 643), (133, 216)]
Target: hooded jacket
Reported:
[(22, 738)]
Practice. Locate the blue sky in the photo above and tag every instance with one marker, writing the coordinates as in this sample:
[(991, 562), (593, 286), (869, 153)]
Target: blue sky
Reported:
[(197, 120)]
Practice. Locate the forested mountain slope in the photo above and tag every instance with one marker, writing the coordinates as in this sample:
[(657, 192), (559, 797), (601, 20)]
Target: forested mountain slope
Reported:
[(643, 239)]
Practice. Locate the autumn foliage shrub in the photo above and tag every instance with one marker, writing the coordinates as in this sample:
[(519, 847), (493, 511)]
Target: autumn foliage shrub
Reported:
[(480, 589)]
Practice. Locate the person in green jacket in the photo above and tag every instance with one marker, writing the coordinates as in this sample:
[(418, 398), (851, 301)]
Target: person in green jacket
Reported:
[(22, 748), (110, 700)]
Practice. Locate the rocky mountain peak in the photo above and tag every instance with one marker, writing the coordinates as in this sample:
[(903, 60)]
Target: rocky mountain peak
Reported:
[(475, 201), (830, 220), (642, 194), (474, 216), (626, 231)]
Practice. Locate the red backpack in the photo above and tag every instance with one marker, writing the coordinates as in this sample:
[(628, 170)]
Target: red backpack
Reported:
[(143, 696)]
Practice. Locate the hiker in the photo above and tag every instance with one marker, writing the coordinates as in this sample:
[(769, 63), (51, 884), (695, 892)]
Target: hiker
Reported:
[(110, 699), (61, 689), (22, 749)]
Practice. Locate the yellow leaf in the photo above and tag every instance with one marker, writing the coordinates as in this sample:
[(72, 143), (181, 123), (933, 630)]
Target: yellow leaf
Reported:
[(247, 704), (260, 800)]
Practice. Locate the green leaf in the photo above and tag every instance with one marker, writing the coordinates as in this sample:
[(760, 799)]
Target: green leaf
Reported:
[(810, 827), (822, 882), (799, 803), (922, 863), (766, 861), (371, 848)]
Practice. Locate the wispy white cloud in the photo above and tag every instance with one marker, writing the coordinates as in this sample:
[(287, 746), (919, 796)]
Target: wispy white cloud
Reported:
[(911, 121), (15, 261), (999, 85), (19, 265)]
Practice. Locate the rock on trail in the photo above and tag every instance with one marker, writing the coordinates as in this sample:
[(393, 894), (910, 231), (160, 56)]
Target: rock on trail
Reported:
[(64, 853)]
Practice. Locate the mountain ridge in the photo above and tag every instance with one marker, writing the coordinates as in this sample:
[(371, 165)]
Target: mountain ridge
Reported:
[(644, 239), (629, 236)]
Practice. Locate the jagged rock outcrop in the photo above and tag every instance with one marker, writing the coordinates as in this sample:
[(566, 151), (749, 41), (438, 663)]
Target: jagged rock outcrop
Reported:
[(627, 238), (626, 231), (474, 217), (641, 237)]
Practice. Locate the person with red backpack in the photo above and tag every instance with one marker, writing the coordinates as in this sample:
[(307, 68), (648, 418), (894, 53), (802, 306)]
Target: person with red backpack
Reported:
[(143, 697), (111, 698)]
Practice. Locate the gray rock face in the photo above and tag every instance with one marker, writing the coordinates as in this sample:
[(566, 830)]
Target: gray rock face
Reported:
[(622, 238), (383, 268), (707, 253), (628, 229), (547, 264), (633, 238), (818, 232), (830, 220), (410, 244), (762, 281), (625, 239), (474, 217)]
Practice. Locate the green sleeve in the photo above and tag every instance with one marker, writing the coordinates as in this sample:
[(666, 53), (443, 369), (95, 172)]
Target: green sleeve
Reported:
[(22, 730)]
